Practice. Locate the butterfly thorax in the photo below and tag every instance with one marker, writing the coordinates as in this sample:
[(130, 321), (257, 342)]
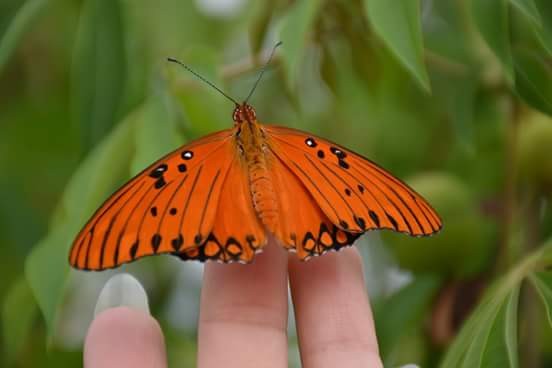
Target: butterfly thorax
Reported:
[(252, 147)]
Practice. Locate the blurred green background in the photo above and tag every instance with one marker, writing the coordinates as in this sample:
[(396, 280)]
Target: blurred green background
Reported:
[(454, 96)]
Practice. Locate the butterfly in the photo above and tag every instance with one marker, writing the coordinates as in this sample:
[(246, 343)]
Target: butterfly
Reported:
[(219, 197)]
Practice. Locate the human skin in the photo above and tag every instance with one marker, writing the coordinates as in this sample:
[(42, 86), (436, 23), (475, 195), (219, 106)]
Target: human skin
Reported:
[(243, 317)]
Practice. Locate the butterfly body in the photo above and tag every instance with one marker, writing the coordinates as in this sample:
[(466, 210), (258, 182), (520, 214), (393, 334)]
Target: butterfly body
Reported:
[(219, 197), (252, 146)]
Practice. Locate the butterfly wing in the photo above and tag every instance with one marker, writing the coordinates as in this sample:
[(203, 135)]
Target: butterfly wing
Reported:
[(303, 226), (353, 193), (237, 233), (196, 203), (170, 207)]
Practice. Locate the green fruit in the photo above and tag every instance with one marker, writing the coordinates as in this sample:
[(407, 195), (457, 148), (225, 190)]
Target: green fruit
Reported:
[(535, 151), (462, 247)]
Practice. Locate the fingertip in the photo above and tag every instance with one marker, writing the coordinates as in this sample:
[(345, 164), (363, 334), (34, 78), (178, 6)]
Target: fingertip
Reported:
[(124, 337), (332, 311), (122, 289)]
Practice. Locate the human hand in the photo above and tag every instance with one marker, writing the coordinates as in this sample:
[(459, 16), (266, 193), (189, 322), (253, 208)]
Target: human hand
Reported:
[(243, 317)]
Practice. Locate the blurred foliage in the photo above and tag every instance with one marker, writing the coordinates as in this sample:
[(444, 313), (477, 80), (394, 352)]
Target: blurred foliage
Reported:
[(453, 95)]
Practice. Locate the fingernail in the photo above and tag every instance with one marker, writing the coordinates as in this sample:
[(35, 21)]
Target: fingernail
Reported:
[(122, 290)]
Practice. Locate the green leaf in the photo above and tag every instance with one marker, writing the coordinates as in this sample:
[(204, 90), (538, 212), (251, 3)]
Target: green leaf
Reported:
[(446, 37), (542, 281), (491, 18), (529, 9), (99, 64), (22, 21), (196, 96), (294, 31), (470, 346), (490, 329), (544, 33), (470, 330), (393, 320), (397, 23), (46, 267), (156, 131), (474, 351), (494, 339), (46, 270), (501, 346), (18, 313), (533, 80)]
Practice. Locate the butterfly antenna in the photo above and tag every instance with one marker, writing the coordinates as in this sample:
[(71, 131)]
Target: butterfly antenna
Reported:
[(262, 71), (201, 78)]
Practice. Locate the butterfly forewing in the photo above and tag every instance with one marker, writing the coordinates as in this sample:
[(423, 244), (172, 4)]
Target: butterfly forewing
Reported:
[(169, 207), (353, 192)]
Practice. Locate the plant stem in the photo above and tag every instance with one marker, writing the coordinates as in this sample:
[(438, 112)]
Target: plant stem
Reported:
[(530, 347), (504, 255)]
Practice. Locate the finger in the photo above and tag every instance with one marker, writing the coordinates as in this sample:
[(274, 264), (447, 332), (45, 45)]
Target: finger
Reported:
[(243, 317), (124, 336), (332, 312)]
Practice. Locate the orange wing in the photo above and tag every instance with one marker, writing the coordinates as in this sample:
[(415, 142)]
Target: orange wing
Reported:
[(168, 208), (354, 194), (303, 227), (237, 233)]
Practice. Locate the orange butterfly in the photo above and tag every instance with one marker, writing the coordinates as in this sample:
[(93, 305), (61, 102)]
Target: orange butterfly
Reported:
[(217, 197)]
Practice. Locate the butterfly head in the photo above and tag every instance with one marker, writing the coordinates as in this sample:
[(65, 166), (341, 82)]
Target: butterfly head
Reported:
[(244, 112)]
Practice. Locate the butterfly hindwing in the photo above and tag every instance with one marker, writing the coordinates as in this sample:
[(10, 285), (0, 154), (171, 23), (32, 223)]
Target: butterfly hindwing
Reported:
[(237, 233), (303, 227), (353, 192), (169, 207)]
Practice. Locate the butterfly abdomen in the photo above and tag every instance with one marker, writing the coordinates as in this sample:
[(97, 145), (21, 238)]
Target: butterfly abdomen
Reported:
[(262, 190), (252, 143)]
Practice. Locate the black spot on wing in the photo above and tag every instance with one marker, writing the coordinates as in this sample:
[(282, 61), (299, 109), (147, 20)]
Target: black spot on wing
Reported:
[(158, 171), (134, 249), (360, 222), (252, 241), (156, 242), (311, 142), (187, 155), (160, 183), (227, 253), (177, 242), (338, 153), (393, 222), (343, 164), (374, 218), (233, 247), (328, 239), (344, 224)]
